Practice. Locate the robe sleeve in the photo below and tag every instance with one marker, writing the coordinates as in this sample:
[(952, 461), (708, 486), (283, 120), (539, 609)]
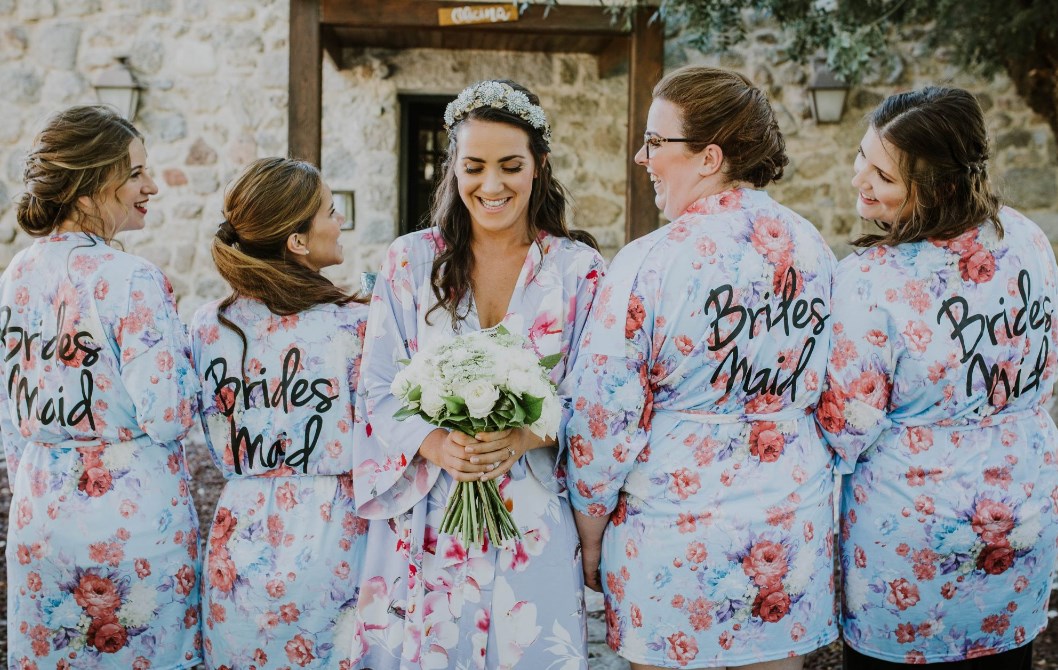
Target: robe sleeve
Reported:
[(390, 476), (853, 410), (155, 359)]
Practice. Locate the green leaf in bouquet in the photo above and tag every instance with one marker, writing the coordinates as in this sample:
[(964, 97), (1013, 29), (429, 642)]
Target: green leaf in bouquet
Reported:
[(533, 408), (501, 330), (405, 412), (549, 362), (453, 404), (415, 395), (519, 416)]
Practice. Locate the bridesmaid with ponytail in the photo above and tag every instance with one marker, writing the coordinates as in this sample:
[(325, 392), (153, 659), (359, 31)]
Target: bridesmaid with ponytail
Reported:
[(278, 361)]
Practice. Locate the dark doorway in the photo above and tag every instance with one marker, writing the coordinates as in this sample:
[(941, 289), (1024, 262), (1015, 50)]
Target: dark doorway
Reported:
[(423, 142)]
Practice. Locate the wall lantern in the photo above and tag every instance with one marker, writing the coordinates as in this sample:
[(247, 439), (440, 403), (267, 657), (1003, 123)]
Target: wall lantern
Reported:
[(828, 93), (117, 87), (345, 203)]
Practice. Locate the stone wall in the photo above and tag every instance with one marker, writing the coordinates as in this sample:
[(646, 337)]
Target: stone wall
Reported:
[(216, 98)]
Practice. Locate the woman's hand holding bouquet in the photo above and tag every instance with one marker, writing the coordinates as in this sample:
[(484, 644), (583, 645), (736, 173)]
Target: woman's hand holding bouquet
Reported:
[(494, 397)]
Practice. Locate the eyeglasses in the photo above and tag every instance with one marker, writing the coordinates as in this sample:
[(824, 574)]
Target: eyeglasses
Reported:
[(655, 142)]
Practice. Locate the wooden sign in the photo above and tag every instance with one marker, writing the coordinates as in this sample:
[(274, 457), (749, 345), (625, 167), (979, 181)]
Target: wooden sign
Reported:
[(468, 14)]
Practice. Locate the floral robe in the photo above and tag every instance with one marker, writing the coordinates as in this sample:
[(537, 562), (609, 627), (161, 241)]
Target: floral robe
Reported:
[(703, 355), (942, 365), (286, 545), (468, 607), (97, 393)]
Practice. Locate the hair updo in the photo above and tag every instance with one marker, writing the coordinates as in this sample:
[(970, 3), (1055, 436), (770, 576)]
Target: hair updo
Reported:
[(724, 108), (81, 152)]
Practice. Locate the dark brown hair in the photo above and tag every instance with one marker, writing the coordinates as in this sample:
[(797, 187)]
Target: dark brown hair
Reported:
[(943, 159), (271, 199), (451, 270), (81, 152), (724, 108)]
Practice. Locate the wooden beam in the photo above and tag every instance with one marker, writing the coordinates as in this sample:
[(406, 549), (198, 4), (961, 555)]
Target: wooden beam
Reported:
[(398, 14), (646, 65), (305, 97), (333, 46), (614, 58)]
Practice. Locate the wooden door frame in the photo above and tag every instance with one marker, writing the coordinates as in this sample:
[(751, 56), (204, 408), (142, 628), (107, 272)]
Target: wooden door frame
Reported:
[(331, 25)]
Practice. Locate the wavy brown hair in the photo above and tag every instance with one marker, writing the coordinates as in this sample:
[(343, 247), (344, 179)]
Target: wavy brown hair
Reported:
[(724, 108), (943, 153), (81, 152), (272, 199), (452, 267)]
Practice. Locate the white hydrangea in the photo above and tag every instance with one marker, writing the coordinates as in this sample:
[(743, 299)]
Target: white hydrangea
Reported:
[(501, 96), (139, 607)]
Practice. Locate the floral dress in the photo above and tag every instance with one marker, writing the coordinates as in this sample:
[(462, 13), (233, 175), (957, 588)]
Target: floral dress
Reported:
[(521, 605), (700, 364), (98, 392), (286, 545), (943, 361)]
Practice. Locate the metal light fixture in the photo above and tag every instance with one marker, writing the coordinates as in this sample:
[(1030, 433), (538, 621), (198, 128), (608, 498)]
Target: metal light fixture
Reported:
[(828, 92), (117, 87), (345, 203)]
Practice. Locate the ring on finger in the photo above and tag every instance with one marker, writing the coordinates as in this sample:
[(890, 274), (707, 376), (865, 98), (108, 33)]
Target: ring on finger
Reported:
[(511, 449)]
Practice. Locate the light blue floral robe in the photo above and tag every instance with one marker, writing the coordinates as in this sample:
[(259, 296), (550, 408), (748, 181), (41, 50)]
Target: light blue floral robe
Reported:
[(286, 546), (96, 393), (942, 366), (464, 607), (701, 361)]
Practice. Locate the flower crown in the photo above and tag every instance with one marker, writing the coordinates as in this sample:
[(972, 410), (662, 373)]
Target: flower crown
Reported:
[(501, 96)]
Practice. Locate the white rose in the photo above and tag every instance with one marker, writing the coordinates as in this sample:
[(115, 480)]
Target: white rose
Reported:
[(431, 401), (402, 384), (480, 396), (521, 382), (861, 415)]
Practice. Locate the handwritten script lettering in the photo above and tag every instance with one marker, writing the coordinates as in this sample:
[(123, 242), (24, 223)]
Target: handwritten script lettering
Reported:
[(287, 393), (791, 315), (75, 349), (1002, 379)]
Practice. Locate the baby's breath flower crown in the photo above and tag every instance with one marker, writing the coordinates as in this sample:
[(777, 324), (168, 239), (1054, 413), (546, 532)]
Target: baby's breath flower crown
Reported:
[(499, 95)]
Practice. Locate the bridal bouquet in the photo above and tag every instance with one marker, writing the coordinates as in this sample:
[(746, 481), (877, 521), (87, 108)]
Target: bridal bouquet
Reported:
[(481, 382)]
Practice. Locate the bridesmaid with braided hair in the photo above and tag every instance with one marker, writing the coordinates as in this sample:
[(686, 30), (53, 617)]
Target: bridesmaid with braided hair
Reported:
[(278, 360), (940, 375)]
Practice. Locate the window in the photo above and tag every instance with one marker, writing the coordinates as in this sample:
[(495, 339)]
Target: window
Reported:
[(424, 142)]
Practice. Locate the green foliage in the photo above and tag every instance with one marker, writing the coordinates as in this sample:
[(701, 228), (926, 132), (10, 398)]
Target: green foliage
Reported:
[(983, 35)]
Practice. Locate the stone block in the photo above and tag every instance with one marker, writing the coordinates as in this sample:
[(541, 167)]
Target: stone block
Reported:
[(160, 7), (174, 177), (163, 126), (194, 58), (11, 124), (596, 212), (36, 10), (1019, 137), (1031, 187), (7, 7), (375, 228), (65, 87), (56, 46), (20, 84), (79, 7), (148, 54), (242, 150), (189, 209), (203, 181), (201, 154), (13, 43)]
